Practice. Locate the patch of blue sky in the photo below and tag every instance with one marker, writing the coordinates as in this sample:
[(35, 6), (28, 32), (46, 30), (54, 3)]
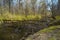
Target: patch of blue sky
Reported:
[(15, 2), (1, 2), (55, 2), (37, 3), (50, 3), (23, 2)]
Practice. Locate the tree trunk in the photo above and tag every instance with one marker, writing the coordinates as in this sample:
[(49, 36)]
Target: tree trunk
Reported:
[(58, 7)]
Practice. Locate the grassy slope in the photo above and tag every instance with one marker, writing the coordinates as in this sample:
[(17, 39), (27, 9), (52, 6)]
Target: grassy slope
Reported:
[(50, 29), (45, 31)]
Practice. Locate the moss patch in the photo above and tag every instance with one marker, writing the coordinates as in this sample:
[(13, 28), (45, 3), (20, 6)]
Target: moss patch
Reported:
[(50, 29)]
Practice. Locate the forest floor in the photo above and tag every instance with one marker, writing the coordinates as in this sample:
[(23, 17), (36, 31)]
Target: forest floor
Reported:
[(15, 27)]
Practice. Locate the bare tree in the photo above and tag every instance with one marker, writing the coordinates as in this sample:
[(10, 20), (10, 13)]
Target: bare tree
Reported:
[(58, 7)]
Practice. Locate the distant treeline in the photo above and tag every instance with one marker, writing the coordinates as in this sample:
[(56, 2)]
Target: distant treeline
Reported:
[(30, 6)]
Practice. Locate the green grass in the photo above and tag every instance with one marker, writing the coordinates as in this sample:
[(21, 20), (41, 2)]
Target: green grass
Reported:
[(52, 38), (9, 16), (57, 17), (50, 29)]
